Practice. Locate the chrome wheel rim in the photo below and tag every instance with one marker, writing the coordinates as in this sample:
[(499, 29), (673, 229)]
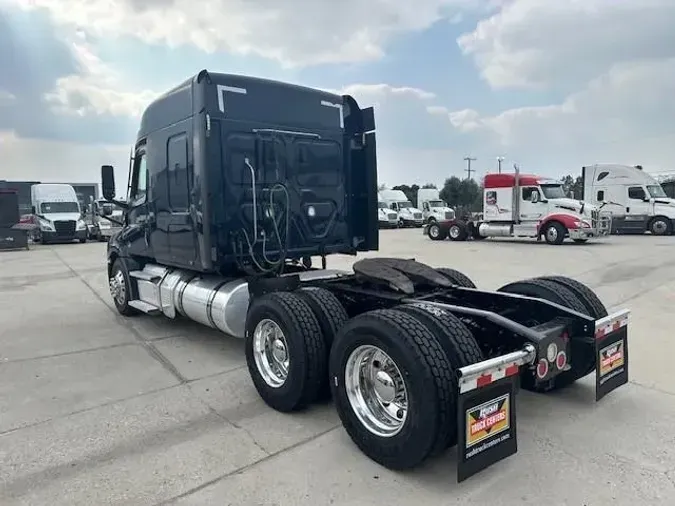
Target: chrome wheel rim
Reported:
[(376, 391), (659, 227), (270, 350), (434, 231), (552, 234), (454, 231), (118, 288)]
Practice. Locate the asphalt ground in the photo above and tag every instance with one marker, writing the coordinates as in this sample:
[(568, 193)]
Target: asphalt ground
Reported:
[(97, 409)]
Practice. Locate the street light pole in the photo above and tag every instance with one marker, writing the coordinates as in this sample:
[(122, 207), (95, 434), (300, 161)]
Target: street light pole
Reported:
[(500, 159)]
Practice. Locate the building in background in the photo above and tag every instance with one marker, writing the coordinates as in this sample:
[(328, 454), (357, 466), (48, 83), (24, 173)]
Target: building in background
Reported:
[(83, 190)]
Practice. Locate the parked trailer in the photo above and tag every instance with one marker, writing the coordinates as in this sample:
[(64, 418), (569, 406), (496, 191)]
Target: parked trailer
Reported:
[(415, 358), (525, 205), (634, 198)]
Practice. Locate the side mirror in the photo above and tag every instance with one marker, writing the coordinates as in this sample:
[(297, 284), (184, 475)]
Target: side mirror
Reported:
[(108, 181), (534, 198), (32, 209), (107, 210)]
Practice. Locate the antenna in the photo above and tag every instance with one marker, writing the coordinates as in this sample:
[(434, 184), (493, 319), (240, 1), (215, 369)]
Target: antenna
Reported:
[(469, 170)]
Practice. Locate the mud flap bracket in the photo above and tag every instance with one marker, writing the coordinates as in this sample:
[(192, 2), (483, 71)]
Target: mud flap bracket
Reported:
[(611, 353)]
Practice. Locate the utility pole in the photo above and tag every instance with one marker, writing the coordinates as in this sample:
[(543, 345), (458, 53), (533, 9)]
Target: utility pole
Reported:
[(468, 161), (500, 159)]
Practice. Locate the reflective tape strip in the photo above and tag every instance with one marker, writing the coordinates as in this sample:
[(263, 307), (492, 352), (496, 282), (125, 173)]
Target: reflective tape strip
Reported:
[(466, 385), (611, 323)]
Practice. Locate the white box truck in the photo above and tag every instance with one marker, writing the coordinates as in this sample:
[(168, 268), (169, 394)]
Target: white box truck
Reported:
[(433, 208), (635, 199), (408, 215), (57, 213)]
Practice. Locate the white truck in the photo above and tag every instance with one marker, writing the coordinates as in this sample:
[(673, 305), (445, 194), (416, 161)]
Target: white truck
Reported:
[(408, 215), (526, 205), (386, 218), (635, 199), (433, 208), (58, 215), (105, 219)]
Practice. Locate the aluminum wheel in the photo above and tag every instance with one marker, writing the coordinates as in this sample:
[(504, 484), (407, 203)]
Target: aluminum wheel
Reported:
[(454, 232), (659, 227), (270, 351), (118, 287), (434, 231), (376, 391), (552, 234)]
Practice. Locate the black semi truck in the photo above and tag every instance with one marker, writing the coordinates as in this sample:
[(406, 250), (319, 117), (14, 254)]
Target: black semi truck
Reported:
[(239, 183)]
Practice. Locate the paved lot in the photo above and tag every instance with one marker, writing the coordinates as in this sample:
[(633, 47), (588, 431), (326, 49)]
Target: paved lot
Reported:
[(96, 409)]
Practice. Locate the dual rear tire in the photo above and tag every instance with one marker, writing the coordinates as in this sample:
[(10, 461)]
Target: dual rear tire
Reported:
[(391, 372)]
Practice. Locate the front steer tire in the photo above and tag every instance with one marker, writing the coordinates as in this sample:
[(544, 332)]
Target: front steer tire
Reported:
[(428, 380), (436, 232), (304, 344), (120, 269)]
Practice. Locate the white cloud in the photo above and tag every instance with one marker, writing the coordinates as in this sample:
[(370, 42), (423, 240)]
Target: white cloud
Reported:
[(625, 115), (536, 43), (6, 98), (294, 32), (39, 159), (96, 89)]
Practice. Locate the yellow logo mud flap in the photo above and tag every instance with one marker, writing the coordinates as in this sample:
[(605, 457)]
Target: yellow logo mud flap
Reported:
[(611, 353), (487, 415)]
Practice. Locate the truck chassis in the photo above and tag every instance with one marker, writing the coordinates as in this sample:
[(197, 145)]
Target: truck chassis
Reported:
[(416, 359)]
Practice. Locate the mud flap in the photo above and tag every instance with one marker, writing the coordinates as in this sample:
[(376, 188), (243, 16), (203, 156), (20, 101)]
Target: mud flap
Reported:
[(487, 421), (611, 353)]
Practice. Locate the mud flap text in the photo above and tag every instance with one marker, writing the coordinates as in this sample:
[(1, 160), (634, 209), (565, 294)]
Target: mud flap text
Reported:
[(611, 353)]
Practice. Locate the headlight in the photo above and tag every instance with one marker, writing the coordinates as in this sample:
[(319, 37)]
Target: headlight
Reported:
[(46, 224), (582, 224), (81, 225)]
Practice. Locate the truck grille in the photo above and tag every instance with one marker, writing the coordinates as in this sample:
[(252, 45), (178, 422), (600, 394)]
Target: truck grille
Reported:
[(449, 215), (64, 228), (392, 216), (417, 216)]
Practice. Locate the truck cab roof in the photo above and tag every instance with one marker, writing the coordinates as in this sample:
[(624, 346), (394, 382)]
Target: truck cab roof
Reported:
[(246, 98)]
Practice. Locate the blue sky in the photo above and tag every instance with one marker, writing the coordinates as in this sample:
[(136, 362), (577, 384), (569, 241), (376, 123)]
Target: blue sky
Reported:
[(549, 85)]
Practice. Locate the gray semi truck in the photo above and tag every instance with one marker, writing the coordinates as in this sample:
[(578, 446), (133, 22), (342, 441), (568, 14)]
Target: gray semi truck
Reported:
[(238, 184)]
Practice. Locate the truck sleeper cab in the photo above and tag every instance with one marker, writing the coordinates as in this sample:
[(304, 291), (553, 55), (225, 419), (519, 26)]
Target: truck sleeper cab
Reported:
[(231, 256), (635, 199)]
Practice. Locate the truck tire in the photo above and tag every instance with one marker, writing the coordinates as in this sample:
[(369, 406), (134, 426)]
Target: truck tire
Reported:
[(285, 351), (458, 232), (458, 343), (456, 277), (331, 316), (121, 288), (660, 225), (554, 233), (436, 232), (581, 357), (411, 368), (592, 303)]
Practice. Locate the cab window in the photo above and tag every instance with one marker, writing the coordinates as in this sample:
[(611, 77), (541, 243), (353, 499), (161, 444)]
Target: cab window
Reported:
[(528, 191), (636, 193), (139, 180)]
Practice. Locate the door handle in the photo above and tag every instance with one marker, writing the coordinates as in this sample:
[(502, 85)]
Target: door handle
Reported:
[(628, 209)]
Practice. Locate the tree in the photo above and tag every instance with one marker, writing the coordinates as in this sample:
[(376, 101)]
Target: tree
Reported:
[(409, 191), (429, 186), (465, 196)]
